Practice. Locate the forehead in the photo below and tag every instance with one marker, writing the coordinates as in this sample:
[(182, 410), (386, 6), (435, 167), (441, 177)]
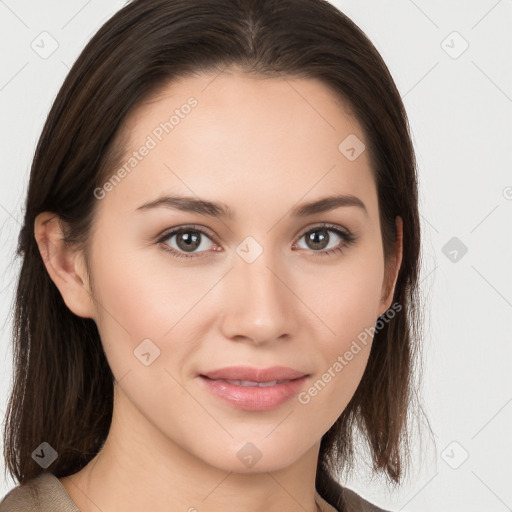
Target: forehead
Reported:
[(229, 135)]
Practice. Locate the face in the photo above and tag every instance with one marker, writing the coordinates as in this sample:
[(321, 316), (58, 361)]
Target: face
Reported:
[(184, 290)]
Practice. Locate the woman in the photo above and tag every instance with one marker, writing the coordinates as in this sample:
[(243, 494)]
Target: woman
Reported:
[(220, 257)]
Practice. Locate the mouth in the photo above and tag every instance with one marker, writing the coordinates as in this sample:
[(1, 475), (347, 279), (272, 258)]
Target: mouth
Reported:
[(247, 375), (250, 383), (250, 395)]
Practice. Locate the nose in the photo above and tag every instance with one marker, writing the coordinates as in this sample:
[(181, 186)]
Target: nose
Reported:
[(260, 305)]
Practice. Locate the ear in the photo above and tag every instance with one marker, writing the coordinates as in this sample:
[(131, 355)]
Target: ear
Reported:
[(65, 266), (392, 269)]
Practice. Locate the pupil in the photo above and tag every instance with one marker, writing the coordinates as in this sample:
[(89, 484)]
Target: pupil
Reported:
[(319, 242), (191, 242)]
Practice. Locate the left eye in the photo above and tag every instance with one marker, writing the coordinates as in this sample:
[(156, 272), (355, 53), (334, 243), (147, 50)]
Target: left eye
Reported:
[(318, 239)]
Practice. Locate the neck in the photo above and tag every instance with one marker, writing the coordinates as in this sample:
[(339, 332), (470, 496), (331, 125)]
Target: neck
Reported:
[(157, 474)]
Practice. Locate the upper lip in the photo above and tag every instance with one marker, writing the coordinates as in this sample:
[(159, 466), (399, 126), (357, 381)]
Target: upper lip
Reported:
[(255, 374)]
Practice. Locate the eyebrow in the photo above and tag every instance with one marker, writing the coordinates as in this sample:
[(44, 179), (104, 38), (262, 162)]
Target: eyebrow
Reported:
[(221, 210)]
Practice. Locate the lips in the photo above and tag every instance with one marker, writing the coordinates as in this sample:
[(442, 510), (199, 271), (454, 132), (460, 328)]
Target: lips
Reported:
[(247, 376), (254, 389)]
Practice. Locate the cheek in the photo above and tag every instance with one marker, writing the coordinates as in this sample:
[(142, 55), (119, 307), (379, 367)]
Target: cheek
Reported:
[(142, 300), (330, 391), (346, 300), (343, 355), (144, 294), (346, 296)]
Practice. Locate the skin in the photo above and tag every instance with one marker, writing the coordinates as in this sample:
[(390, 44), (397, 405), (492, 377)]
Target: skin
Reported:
[(261, 146)]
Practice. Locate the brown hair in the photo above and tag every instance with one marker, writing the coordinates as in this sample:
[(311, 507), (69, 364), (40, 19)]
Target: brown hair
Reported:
[(63, 386)]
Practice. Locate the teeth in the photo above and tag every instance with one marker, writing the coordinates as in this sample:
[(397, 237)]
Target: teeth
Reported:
[(250, 383), (271, 383)]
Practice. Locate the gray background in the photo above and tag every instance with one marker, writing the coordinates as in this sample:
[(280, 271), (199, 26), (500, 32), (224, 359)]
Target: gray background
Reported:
[(459, 102)]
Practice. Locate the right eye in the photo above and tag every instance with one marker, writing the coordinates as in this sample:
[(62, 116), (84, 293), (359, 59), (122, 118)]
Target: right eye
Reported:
[(187, 240)]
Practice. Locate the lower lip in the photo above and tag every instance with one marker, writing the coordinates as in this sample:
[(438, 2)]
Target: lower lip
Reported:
[(254, 398)]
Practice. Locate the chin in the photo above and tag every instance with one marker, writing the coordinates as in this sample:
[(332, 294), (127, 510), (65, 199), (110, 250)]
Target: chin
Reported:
[(258, 456)]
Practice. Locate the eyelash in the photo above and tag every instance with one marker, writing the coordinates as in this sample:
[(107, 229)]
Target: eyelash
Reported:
[(346, 236)]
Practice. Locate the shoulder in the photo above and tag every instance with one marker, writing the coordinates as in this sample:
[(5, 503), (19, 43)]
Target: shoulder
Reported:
[(43, 493), (338, 498), (353, 502)]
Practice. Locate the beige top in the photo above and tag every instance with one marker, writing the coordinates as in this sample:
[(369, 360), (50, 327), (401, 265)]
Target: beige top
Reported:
[(45, 493)]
